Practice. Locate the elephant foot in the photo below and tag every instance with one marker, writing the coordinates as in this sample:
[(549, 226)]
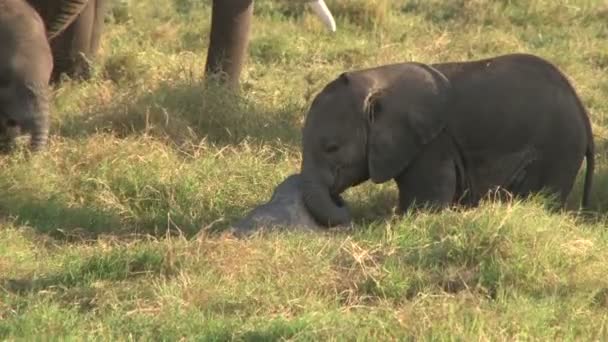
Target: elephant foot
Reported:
[(79, 69)]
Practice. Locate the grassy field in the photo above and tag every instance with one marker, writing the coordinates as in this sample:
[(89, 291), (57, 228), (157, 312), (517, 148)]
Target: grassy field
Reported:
[(98, 237)]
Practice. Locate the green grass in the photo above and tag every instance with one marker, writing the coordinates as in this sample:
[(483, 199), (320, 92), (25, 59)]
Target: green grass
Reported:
[(98, 238)]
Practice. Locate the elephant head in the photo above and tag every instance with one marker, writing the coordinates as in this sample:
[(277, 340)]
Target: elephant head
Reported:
[(25, 68), (371, 123), (229, 36)]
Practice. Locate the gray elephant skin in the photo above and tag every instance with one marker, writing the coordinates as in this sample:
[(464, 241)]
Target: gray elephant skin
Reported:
[(446, 133), (284, 210), (74, 29), (25, 70)]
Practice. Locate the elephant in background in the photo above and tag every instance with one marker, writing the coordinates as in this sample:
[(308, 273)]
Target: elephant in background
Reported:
[(446, 133), (25, 70), (229, 37), (74, 29)]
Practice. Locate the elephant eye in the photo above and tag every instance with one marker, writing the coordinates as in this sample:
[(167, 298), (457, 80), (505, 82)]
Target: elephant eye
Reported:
[(330, 147)]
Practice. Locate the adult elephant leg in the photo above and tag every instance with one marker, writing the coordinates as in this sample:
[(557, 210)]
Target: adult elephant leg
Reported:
[(77, 45), (229, 39), (101, 9), (71, 47)]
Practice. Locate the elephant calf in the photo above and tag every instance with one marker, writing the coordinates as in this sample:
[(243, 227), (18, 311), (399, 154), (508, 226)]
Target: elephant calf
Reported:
[(285, 209), (446, 133), (26, 63)]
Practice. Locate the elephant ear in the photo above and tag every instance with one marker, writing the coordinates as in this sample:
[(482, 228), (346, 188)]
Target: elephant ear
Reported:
[(404, 114), (58, 15)]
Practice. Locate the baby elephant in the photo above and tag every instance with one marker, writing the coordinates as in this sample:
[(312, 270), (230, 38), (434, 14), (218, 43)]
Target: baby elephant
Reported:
[(445, 133), (25, 70), (285, 209)]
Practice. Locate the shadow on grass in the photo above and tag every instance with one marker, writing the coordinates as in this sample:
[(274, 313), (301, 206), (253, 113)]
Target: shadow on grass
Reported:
[(74, 283), (372, 205), (58, 219), (62, 220), (65, 222), (188, 112)]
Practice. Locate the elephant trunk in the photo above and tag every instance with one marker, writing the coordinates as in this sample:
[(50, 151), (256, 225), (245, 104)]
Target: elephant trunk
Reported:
[(37, 124), (39, 133), (327, 209), (321, 10)]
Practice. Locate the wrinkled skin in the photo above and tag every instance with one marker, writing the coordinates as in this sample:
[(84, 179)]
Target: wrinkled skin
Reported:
[(25, 69), (74, 29), (229, 38), (446, 133)]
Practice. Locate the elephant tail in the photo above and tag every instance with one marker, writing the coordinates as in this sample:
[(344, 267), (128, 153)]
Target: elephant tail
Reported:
[(590, 156), (590, 151)]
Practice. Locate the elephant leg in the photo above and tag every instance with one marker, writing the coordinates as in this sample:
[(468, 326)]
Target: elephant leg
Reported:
[(8, 132), (526, 180), (432, 180), (71, 47), (504, 176), (530, 179), (229, 38), (101, 9), (554, 177)]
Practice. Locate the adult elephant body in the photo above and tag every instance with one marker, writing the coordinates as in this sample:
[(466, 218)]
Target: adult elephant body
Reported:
[(446, 133), (74, 29), (25, 69)]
